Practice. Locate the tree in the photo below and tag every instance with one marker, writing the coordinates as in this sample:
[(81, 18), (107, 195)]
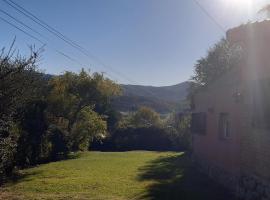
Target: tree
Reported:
[(221, 58), (42, 119), (145, 117), (88, 126), (18, 86), (33, 125), (178, 130), (73, 99)]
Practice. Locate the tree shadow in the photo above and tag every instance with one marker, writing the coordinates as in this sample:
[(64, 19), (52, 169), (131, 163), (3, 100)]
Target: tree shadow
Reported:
[(175, 178)]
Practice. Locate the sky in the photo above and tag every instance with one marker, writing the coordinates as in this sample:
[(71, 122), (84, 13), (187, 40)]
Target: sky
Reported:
[(144, 42)]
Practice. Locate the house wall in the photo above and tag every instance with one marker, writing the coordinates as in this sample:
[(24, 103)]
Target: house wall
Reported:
[(220, 157), (254, 142), (245, 158), (241, 163), (254, 39), (254, 176)]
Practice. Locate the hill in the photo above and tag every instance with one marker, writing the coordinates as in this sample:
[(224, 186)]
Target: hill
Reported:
[(162, 99)]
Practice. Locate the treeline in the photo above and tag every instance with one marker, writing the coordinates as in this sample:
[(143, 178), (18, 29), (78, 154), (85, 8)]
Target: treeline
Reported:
[(44, 118)]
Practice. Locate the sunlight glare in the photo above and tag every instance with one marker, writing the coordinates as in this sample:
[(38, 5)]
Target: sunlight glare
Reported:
[(238, 4)]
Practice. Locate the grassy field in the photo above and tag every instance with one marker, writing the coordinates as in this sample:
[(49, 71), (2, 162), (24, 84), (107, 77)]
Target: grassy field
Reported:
[(115, 176)]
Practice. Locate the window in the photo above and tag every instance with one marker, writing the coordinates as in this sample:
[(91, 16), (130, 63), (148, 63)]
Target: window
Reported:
[(198, 123), (224, 126)]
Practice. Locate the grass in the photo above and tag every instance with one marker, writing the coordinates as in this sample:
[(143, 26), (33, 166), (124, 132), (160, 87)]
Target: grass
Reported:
[(115, 176)]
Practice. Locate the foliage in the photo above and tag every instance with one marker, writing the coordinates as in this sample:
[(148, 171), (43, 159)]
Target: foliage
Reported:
[(71, 93), (178, 130), (55, 144), (107, 111), (33, 127), (143, 117), (44, 118), (89, 125), (145, 130), (221, 58), (141, 138), (72, 100), (19, 86), (8, 144)]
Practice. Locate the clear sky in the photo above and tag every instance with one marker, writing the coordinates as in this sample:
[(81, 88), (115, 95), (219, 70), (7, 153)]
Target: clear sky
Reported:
[(150, 42)]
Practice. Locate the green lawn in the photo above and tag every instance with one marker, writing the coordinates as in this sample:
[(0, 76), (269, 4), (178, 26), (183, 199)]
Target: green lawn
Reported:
[(115, 176)]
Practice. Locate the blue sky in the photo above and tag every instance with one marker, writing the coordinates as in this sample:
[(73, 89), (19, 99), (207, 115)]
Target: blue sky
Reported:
[(150, 42)]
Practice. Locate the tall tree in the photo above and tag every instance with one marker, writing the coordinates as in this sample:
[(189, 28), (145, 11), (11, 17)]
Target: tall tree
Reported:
[(221, 58), (18, 86), (73, 95)]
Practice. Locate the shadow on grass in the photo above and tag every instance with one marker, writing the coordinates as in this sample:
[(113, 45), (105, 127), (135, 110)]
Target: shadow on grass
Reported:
[(176, 179)]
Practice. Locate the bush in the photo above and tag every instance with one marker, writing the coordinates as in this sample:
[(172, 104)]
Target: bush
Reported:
[(151, 133), (146, 138)]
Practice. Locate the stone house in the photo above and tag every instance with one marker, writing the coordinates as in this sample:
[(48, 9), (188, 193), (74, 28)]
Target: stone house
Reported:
[(231, 118)]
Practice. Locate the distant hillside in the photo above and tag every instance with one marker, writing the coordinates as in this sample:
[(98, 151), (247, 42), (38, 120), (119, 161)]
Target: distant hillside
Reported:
[(162, 99)]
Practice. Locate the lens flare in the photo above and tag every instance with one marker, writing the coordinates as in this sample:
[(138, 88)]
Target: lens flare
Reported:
[(238, 4)]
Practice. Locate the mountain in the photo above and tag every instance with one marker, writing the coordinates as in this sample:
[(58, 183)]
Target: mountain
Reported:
[(162, 99)]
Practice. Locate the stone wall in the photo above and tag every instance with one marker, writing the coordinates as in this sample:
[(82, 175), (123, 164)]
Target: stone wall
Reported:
[(255, 153), (255, 141), (254, 182), (244, 186), (253, 188), (218, 174)]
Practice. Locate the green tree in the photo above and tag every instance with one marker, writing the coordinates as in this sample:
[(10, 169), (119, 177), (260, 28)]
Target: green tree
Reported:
[(145, 117), (178, 130), (89, 125), (72, 100), (221, 58), (33, 125), (18, 86)]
